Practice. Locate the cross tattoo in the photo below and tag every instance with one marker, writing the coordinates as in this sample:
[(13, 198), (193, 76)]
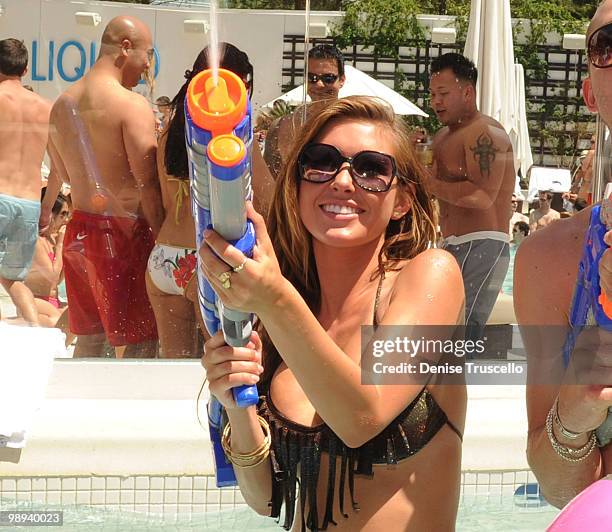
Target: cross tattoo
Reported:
[(484, 153)]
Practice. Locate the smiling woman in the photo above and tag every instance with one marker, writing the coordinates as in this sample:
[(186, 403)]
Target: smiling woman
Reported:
[(351, 223), (342, 202)]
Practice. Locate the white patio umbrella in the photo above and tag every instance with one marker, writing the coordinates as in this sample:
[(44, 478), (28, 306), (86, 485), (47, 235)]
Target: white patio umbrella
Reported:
[(359, 84), (500, 89), (522, 149)]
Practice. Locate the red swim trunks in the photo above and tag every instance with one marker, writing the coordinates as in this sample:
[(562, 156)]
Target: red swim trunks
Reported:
[(105, 259)]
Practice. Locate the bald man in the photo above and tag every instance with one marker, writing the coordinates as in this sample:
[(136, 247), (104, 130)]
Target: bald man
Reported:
[(103, 143), (24, 130), (570, 428)]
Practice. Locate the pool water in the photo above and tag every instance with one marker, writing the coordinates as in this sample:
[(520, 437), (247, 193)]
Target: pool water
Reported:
[(474, 515), (504, 516)]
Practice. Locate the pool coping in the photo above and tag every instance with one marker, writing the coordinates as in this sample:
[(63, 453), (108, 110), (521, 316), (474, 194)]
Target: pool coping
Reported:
[(132, 417)]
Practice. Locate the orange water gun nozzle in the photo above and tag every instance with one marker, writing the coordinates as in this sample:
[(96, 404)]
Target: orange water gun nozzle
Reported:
[(217, 105), (217, 97)]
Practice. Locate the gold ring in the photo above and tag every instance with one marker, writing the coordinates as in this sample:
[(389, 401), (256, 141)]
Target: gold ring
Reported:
[(240, 266), (225, 279)]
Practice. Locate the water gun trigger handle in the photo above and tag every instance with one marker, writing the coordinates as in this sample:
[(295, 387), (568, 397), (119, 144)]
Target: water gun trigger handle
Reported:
[(245, 395)]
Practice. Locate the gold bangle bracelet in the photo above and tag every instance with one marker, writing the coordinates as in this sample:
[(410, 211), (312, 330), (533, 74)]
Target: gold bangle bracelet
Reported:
[(252, 458)]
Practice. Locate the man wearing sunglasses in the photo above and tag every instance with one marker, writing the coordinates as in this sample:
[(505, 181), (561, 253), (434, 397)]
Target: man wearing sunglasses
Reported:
[(103, 143), (325, 75), (473, 179), (570, 391), (325, 78)]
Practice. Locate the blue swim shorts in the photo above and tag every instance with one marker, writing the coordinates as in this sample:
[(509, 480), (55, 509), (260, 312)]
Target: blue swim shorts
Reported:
[(18, 235)]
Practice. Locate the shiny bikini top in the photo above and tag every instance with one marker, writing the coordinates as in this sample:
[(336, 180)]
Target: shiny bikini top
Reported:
[(296, 453)]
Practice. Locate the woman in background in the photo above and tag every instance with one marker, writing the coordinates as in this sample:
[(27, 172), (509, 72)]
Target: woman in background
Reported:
[(47, 270), (170, 278)]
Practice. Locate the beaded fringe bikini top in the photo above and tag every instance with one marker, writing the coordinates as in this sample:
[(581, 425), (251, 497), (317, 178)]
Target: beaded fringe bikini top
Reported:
[(296, 454)]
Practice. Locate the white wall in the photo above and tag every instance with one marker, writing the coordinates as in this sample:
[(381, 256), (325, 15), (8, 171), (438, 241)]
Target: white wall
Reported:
[(47, 26)]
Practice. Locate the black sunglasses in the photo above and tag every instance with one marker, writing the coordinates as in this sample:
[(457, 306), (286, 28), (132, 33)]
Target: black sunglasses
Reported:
[(371, 170), (599, 47), (327, 79)]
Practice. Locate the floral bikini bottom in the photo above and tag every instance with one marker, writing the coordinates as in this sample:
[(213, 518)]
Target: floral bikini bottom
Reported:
[(171, 268)]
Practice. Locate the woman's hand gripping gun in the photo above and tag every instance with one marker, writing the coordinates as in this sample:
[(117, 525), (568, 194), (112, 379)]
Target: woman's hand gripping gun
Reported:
[(219, 137)]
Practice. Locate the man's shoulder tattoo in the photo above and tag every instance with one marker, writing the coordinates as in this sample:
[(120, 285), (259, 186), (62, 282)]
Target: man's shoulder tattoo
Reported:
[(484, 153)]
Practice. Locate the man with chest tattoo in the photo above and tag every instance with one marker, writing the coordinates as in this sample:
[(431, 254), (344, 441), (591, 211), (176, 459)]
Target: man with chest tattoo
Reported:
[(473, 179)]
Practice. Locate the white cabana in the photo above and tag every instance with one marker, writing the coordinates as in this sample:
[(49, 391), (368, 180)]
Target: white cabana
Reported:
[(551, 179), (359, 84), (501, 85)]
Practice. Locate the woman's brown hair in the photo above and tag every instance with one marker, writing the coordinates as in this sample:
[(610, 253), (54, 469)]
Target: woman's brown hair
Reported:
[(404, 238)]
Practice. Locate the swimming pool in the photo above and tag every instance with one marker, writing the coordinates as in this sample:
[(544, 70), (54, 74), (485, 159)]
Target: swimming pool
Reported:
[(117, 446), (86, 520), (488, 503)]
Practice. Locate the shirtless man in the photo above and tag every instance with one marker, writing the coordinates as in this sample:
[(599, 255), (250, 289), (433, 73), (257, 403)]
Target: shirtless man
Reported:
[(24, 131), (325, 79), (472, 178), (104, 144), (544, 214), (575, 451)]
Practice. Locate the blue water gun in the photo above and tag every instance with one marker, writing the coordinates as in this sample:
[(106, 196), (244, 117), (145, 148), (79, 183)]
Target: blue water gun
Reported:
[(590, 306), (219, 138)]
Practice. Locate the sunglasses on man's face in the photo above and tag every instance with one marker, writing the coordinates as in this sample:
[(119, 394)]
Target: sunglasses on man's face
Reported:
[(599, 47), (371, 170), (327, 79)]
